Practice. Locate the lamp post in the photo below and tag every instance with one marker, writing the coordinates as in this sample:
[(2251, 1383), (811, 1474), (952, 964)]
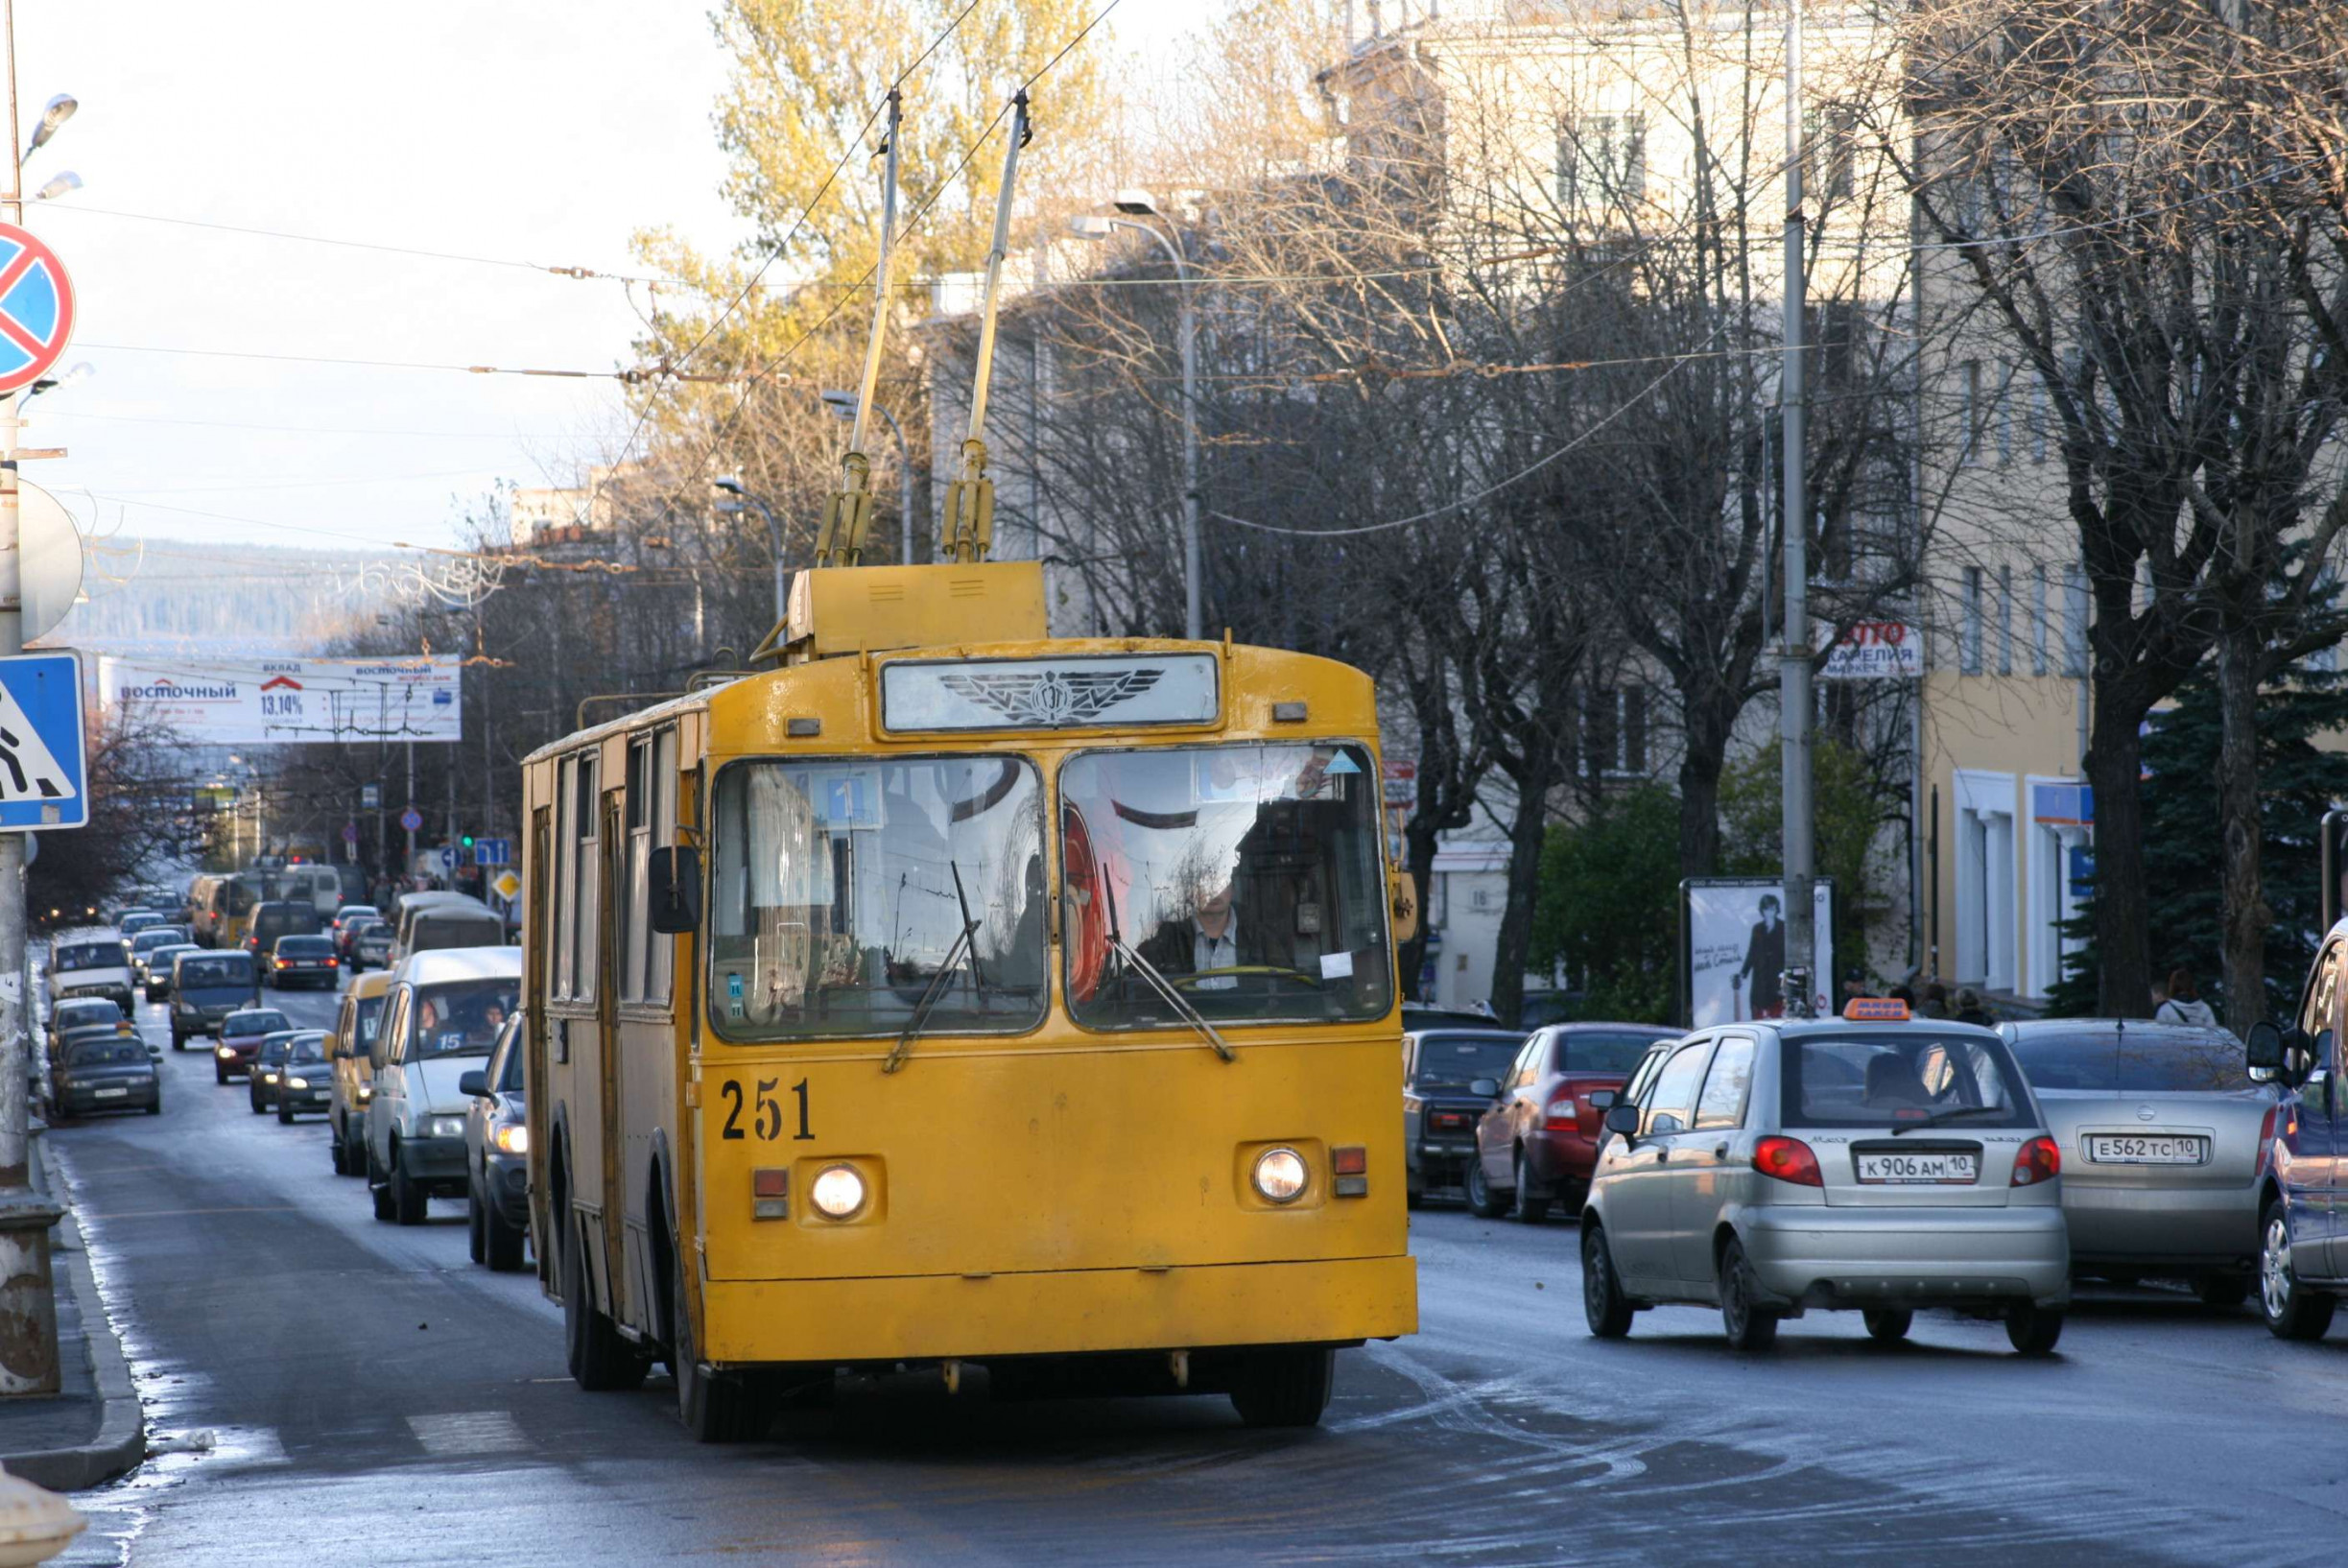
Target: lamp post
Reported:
[(844, 404), (775, 532), (1136, 205)]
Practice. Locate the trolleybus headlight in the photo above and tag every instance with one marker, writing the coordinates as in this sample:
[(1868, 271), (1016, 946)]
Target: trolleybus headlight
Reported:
[(838, 1192), (1280, 1174)]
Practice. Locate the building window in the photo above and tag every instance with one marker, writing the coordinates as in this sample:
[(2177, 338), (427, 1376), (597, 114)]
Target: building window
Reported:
[(1601, 162), (1970, 440), (1969, 650), (2038, 620), (2005, 620), (2039, 419), (2005, 418), (2075, 620), (1614, 732)]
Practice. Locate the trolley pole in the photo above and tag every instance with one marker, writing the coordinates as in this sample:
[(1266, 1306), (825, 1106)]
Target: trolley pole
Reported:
[(28, 1299), (1794, 656)]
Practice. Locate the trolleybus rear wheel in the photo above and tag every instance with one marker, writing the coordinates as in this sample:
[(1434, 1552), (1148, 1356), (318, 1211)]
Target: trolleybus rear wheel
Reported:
[(600, 1359)]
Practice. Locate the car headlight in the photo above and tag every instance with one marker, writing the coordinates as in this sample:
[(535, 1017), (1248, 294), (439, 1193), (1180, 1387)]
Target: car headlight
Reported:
[(838, 1192), (1280, 1174), (445, 1127), (226, 1053), (297, 1083), (268, 1078), (513, 1138), (366, 1092)]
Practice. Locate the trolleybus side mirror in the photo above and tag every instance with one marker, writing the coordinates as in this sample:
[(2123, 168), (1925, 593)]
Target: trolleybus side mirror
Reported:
[(1402, 894), (676, 889)]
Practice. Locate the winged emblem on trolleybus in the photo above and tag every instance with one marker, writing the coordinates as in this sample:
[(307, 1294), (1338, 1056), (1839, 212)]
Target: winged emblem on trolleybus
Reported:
[(1046, 698)]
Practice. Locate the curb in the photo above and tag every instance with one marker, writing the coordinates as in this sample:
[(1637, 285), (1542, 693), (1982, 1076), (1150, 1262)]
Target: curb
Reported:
[(121, 1442)]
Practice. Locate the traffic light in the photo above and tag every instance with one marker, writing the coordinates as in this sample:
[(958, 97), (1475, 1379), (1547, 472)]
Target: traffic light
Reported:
[(466, 840)]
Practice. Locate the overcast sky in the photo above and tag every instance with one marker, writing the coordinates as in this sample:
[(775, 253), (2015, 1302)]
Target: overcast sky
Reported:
[(522, 130)]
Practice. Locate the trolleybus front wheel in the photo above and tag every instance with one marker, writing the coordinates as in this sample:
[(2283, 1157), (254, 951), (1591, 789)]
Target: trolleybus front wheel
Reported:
[(715, 1408), (1285, 1388)]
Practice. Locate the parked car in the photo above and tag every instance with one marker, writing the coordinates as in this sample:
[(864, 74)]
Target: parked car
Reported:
[(1774, 1167), (444, 1013), (347, 1046), (241, 1034), (155, 940), (370, 946), (280, 1054), (302, 960), (2302, 1232), (205, 989), (278, 917), (497, 1155), (157, 984), (91, 962), (346, 921), (2166, 1140), (82, 1012), (1538, 1142), (1440, 1108), (101, 1070), (60, 1045)]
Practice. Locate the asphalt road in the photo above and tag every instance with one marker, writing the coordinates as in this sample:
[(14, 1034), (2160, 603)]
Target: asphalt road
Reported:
[(338, 1390)]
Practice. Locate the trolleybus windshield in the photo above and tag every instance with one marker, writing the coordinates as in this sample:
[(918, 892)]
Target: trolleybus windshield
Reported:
[(1245, 876), (845, 890)]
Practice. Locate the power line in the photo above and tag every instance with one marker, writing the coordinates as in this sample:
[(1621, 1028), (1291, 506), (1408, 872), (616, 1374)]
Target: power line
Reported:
[(628, 377), (317, 430)]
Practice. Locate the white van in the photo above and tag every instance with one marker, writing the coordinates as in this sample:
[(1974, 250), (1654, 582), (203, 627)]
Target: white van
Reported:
[(93, 961), (428, 921), (439, 1021)]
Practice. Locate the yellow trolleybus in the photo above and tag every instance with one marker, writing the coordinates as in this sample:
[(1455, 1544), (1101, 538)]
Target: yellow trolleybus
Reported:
[(952, 997)]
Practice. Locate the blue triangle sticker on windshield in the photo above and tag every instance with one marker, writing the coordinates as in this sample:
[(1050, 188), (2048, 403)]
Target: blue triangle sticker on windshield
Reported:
[(1343, 764)]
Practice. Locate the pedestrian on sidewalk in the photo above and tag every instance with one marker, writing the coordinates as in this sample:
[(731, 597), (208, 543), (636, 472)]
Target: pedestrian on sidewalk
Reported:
[(1970, 1008), (2185, 1004)]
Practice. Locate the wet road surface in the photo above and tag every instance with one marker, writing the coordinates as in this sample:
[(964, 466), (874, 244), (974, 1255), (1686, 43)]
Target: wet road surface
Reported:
[(332, 1389)]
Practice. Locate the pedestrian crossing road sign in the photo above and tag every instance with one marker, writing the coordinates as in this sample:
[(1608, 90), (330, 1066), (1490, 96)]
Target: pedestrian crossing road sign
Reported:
[(43, 770)]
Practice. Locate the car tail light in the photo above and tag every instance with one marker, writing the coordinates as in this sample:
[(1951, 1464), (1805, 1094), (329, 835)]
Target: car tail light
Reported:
[(1349, 1165), (332, 963), (1560, 1116), (1787, 1159), (281, 964), (2266, 1141), (2038, 1161)]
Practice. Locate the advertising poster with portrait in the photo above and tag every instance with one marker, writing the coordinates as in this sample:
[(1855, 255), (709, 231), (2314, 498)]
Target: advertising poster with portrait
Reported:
[(1733, 948)]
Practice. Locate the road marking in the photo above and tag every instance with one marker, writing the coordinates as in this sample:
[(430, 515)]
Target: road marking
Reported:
[(468, 1431), (175, 1214)]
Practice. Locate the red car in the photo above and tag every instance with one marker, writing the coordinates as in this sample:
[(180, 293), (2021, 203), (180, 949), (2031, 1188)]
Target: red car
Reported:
[(1535, 1146)]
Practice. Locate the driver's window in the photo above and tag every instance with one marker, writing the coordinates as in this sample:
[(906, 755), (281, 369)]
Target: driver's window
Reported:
[(1528, 1063), (2315, 1010), (1670, 1106)]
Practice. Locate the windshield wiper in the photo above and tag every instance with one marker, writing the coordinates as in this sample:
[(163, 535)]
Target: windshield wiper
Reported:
[(1940, 1117), (937, 986), (1158, 983)]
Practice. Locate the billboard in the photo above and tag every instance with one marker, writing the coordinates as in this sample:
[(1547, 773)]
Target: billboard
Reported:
[(1733, 945), (255, 701), (1872, 650)]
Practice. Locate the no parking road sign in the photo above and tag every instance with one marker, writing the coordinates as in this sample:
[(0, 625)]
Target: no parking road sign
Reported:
[(35, 308), (43, 774)]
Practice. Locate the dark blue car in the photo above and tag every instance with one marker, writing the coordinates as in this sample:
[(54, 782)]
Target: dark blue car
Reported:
[(2303, 1234)]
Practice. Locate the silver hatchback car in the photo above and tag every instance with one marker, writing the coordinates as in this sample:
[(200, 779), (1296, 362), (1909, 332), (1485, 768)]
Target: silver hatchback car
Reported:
[(2166, 1140), (1881, 1166)]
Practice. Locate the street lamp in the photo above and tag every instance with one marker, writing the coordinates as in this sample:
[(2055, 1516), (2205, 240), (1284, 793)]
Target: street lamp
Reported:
[(1136, 205), (55, 112), (775, 532), (844, 404), (81, 371), (60, 184)]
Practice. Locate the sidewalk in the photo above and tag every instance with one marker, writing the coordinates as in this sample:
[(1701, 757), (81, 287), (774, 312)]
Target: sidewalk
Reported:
[(93, 1430)]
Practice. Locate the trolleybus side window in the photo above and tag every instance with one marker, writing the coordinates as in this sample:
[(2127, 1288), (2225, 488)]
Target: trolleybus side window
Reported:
[(565, 783), (585, 828), (858, 897), (644, 955), (663, 956), (1247, 877)]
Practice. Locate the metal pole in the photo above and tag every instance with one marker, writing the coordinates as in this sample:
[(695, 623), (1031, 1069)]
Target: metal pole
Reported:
[(1194, 614), (28, 1300), (984, 372), (1793, 659), (407, 869)]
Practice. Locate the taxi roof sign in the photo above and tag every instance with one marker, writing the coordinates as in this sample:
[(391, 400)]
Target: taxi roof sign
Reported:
[(1875, 1010)]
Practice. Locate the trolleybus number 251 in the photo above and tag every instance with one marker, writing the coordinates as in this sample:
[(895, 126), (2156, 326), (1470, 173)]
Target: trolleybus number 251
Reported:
[(766, 1111)]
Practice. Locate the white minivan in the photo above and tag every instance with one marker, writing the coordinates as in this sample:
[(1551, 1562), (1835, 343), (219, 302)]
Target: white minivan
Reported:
[(439, 1020), (94, 961)]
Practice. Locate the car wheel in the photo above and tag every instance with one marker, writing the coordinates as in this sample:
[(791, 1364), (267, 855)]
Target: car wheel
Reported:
[(2222, 1291), (599, 1360), (156, 1107), (334, 1149), (1602, 1302), (220, 1071), (2033, 1330), (252, 1095), (472, 1228), (1528, 1209), (1480, 1200), (716, 1409), (1748, 1324), (1413, 1198), (179, 1041), (2292, 1312), (407, 1198), (1285, 1388), (379, 1186), (285, 1114), (1887, 1325)]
